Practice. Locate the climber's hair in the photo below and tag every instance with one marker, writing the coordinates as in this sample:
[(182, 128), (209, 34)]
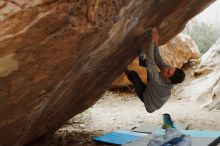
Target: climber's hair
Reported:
[(178, 76)]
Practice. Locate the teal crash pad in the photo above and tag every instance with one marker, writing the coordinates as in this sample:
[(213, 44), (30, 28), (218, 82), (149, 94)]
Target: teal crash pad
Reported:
[(194, 133), (127, 138), (152, 128), (119, 137)]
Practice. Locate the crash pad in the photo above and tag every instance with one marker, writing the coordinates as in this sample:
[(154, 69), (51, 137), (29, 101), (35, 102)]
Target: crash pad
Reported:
[(152, 128), (194, 133), (196, 141), (129, 138), (120, 137)]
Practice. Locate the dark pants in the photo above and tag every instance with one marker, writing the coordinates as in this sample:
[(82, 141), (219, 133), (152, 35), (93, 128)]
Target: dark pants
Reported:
[(139, 85)]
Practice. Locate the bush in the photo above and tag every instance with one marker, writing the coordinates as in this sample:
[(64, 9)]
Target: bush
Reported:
[(204, 34)]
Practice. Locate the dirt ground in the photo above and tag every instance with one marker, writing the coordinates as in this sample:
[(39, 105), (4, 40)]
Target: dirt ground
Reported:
[(117, 110), (125, 111)]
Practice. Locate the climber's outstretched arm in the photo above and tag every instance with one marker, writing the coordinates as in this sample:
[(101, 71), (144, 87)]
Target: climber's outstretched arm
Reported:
[(156, 54), (147, 51), (158, 59)]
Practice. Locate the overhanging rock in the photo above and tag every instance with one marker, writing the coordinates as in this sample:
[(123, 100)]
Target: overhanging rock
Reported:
[(58, 57)]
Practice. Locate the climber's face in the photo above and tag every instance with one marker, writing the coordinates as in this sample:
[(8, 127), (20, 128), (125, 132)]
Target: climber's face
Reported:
[(168, 72)]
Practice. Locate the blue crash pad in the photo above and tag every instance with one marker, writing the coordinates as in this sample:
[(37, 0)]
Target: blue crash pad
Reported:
[(120, 137), (127, 138)]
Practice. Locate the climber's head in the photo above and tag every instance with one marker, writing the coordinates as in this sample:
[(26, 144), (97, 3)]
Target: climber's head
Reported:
[(175, 75)]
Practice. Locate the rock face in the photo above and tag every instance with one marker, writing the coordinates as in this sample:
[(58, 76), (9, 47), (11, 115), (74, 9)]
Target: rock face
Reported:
[(58, 57), (179, 50), (206, 89), (176, 52)]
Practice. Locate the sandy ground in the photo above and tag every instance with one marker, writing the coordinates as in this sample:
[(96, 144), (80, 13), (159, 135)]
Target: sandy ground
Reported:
[(116, 110), (125, 111)]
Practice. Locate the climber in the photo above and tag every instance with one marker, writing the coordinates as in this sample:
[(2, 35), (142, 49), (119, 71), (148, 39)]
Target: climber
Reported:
[(161, 77)]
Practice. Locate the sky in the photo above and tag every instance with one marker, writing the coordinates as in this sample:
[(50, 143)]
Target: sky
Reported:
[(211, 14)]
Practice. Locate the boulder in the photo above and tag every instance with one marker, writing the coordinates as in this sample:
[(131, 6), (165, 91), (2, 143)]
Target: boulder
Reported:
[(206, 89), (179, 50), (58, 57), (176, 52)]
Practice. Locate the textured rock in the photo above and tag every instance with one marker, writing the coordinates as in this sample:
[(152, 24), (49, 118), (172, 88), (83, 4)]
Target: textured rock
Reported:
[(179, 50), (64, 54), (211, 59), (206, 89), (176, 52)]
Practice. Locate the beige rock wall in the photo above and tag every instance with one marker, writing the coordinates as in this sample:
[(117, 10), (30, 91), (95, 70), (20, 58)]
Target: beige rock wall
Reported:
[(206, 89), (179, 50)]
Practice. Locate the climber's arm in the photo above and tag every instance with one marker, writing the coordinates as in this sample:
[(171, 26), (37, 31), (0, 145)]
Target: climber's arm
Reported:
[(158, 59), (150, 60), (150, 57), (142, 53)]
